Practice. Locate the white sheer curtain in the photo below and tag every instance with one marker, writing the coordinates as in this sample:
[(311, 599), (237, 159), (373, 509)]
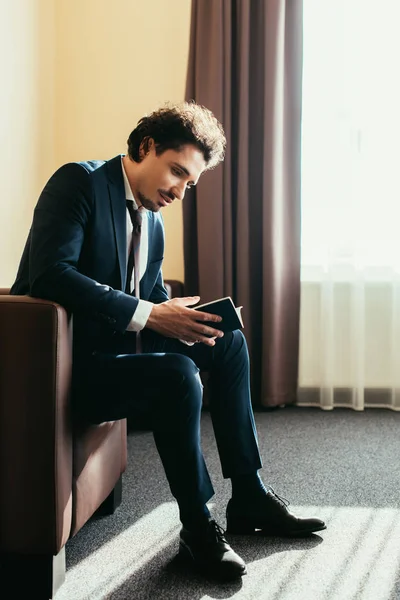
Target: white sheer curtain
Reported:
[(350, 310)]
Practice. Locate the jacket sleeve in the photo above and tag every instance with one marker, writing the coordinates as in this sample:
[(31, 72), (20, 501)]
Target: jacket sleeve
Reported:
[(60, 221), (159, 293)]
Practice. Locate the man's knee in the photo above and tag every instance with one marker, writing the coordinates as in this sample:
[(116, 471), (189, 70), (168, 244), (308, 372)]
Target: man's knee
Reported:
[(239, 338), (180, 366), (184, 376), (234, 342)]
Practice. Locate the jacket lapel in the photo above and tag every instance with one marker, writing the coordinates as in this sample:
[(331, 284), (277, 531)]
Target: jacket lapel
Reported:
[(116, 191)]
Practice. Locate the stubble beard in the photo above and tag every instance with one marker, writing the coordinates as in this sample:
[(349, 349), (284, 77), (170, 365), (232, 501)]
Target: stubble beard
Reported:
[(147, 203)]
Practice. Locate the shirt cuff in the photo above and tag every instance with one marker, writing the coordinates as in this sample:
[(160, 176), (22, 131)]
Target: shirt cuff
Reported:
[(140, 316)]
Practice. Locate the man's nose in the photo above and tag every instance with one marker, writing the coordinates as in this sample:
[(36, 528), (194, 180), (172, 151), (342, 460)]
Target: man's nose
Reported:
[(179, 191)]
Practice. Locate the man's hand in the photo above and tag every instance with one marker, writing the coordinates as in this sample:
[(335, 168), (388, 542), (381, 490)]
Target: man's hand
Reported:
[(174, 319)]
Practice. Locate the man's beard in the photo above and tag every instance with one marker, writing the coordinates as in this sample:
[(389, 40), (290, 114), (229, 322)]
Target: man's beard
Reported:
[(147, 203)]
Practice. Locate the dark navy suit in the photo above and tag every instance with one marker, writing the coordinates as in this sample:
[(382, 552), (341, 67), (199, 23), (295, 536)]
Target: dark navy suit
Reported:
[(76, 254)]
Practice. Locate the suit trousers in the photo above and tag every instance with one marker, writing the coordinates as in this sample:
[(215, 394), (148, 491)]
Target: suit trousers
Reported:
[(164, 384)]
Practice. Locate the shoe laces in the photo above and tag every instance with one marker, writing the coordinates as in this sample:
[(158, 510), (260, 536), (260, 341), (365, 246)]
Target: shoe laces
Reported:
[(282, 501), (215, 532)]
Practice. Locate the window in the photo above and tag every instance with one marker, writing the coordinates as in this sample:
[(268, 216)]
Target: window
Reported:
[(351, 135)]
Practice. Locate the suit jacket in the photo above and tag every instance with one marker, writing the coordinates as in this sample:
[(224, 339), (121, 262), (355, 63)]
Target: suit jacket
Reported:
[(76, 253)]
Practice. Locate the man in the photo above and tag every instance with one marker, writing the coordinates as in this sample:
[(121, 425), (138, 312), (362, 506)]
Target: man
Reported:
[(81, 251)]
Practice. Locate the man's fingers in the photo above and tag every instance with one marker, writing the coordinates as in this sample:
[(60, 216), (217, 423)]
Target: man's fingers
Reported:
[(202, 316), (189, 300), (208, 341), (199, 315), (175, 319), (203, 332)]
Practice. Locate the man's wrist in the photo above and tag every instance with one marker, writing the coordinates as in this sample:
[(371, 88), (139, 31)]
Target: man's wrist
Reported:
[(140, 316)]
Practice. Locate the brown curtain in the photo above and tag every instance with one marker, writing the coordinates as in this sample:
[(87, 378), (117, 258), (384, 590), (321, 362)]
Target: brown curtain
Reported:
[(242, 223)]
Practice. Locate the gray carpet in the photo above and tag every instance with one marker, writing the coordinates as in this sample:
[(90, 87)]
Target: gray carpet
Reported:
[(342, 466)]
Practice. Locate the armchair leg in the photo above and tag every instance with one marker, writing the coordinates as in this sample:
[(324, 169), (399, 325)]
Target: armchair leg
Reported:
[(36, 576), (111, 503)]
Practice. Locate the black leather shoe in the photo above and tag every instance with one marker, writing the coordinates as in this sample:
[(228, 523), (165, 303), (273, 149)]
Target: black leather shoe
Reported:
[(269, 515), (211, 552)]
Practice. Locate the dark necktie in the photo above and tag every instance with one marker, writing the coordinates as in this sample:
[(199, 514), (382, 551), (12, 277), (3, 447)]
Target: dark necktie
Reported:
[(134, 259)]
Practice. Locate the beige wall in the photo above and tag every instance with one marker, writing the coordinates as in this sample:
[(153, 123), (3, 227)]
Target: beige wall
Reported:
[(26, 120), (78, 75), (119, 60)]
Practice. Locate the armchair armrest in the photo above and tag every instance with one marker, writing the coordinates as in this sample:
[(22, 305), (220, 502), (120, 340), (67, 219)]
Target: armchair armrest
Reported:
[(174, 288), (35, 435)]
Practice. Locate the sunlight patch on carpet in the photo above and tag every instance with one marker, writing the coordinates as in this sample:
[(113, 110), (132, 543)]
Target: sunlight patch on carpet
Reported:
[(108, 567), (358, 559)]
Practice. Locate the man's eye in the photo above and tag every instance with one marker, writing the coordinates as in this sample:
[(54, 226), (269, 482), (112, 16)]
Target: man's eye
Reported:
[(176, 172)]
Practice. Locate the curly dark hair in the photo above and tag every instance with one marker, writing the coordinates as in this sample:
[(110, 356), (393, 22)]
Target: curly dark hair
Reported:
[(175, 125)]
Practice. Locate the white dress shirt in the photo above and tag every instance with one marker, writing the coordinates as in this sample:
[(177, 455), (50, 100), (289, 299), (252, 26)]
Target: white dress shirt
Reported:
[(144, 307)]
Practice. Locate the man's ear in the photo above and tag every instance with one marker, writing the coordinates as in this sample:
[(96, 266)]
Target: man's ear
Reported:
[(146, 145)]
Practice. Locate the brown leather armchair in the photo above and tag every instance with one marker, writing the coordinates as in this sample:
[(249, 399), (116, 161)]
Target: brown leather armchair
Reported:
[(53, 477)]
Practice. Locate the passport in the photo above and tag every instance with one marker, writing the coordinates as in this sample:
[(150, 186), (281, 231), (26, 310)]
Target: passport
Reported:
[(225, 308)]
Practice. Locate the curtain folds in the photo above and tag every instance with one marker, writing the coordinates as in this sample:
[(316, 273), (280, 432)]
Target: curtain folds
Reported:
[(242, 222)]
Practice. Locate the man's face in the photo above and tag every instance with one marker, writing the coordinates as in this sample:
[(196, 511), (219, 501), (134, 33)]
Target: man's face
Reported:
[(159, 180)]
